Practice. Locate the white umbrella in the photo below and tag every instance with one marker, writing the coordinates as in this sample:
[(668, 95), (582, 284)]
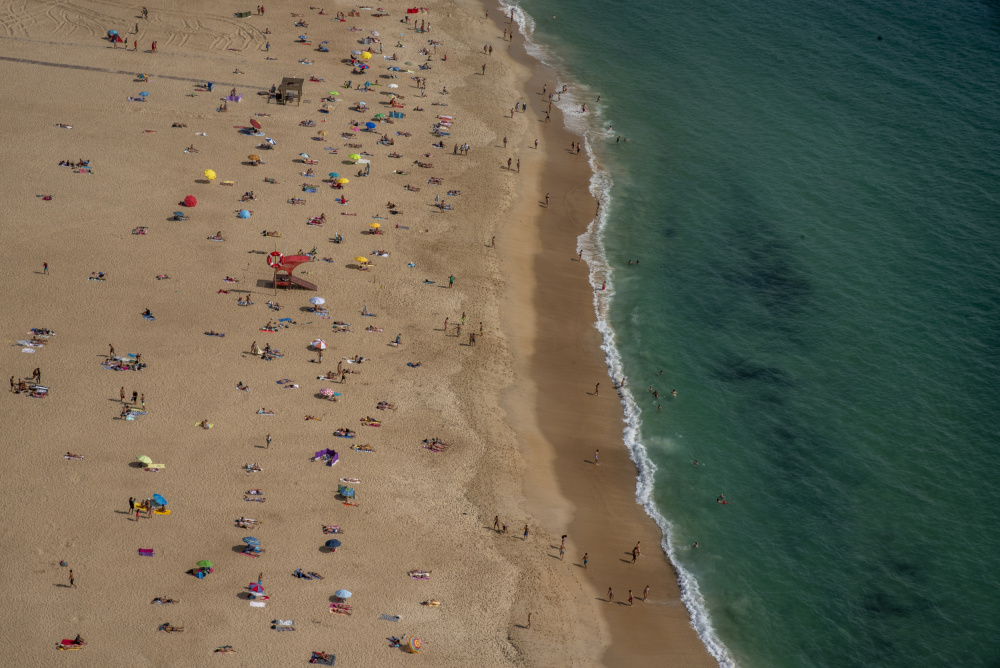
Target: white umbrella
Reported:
[(304, 155), (270, 141), (319, 344), (393, 85), (355, 53), (316, 301)]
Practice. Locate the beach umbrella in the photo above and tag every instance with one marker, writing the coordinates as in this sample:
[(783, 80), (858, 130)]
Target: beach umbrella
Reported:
[(353, 53), (250, 540), (333, 175), (370, 126), (317, 301), (255, 123), (190, 201), (112, 33), (243, 214), (414, 645), (328, 392), (393, 85), (354, 156), (256, 587), (204, 563), (323, 133), (254, 157), (304, 155), (159, 500), (379, 115), (144, 93), (333, 93), (144, 460), (318, 344), (362, 260), (210, 174), (375, 225), (303, 37), (366, 56), (342, 593), (333, 543), (342, 180), (270, 141)]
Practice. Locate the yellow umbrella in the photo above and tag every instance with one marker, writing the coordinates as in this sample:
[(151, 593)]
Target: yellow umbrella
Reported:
[(342, 181), (253, 156), (362, 260), (322, 133), (366, 56), (209, 174), (375, 225), (355, 156)]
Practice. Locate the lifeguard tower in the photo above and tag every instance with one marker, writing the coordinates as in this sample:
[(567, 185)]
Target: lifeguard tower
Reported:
[(284, 266), (290, 88)]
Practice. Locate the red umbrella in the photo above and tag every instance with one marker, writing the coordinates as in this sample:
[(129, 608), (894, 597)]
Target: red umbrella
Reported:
[(255, 123), (190, 200)]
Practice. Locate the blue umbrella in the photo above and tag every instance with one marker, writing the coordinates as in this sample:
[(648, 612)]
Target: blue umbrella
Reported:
[(243, 213), (144, 93), (370, 125), (342, 593), (303, 37), (250, 540), (333, 543), (114, 33), (334, 175), (159, 499), (270, 141)]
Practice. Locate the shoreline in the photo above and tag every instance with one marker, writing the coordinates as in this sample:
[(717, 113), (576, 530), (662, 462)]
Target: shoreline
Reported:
[(563, 355)]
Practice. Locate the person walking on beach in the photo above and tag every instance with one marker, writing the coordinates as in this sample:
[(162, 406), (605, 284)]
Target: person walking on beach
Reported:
[(142, 401), (637, 549), (508, 164), (631, 600), (131, 504), (518, 165), (135, 395), (451, 281), (586, 558), (597, 454), (268, 442), (135, 45), (546, 200), (121, 394), (611, 595), (634, 555), (111, 350), (72, 580), (529, 621), (493, 242), (446, 326), (45, 268), (525, 532), (484, 69), (505, 142), (562, 552), (137, 511), (153, 47), (496, 523), (597, 390), (645, 593)]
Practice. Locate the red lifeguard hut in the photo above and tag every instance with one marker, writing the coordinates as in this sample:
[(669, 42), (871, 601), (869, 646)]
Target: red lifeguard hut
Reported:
[(283, 267)]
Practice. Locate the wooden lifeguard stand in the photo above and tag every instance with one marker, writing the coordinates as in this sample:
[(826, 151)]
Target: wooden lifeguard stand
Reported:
[(291, 86)]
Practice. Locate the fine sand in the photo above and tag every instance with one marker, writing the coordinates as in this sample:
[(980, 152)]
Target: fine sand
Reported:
[(514, 408)]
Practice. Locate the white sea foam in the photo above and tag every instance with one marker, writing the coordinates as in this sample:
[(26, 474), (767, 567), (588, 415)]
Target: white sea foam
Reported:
[(591, 125)]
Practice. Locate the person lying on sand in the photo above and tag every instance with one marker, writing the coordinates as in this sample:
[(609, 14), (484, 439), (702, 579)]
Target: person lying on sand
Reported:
[(169, 628), (262, 411), (204, 424), (163, 601)]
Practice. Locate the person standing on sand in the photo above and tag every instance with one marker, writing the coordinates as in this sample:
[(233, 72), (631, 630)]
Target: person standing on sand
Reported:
[(596, 454), (12, 384), (153, 47), (493, 242), (72, 580), (525, 532), (451, 281), (634, 555), (111, 350), (546, 200), (529, 620), (611, 595), (121, 394), (586, 558), (142, 401), (505, 142), (562, 552), (45, 268), (597, 390), (135, 45), (631, 600), (645, 593), (268, 441), (135, 396), (636, 549), (131, 504), (496, 523)]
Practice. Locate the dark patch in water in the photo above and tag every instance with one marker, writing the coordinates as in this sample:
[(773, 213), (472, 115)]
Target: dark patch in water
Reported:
[(748, 371)]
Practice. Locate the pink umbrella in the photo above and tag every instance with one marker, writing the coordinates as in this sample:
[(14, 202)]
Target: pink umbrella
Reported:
[(327, 392), (319, 344)]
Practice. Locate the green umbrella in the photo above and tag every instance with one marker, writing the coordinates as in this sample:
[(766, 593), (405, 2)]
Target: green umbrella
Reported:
[(333, 93), (355, 156), (205, 563), (144, 459), (379, 115)]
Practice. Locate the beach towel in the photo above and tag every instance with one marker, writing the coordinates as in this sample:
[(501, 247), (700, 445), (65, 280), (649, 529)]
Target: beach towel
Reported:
[(390, 618), (257, 604), (317, 659), (144, 552)]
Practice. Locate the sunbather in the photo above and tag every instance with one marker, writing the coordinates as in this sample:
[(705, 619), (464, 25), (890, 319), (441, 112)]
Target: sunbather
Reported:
[(163, 601), (170, 628)]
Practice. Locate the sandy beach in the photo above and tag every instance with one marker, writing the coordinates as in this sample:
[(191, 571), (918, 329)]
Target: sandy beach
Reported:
[(96, 246)]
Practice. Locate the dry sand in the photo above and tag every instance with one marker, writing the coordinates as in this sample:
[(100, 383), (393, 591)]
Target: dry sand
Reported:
[(417, 509)]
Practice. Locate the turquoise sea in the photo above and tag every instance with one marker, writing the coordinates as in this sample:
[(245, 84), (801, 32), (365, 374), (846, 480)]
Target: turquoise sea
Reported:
[(816, 216)]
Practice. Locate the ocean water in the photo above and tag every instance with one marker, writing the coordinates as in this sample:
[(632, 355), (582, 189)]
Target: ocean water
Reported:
[(816, 217)]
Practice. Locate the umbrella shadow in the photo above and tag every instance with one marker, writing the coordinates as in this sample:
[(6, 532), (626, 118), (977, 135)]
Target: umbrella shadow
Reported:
[(135, 465), (203, 181)]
